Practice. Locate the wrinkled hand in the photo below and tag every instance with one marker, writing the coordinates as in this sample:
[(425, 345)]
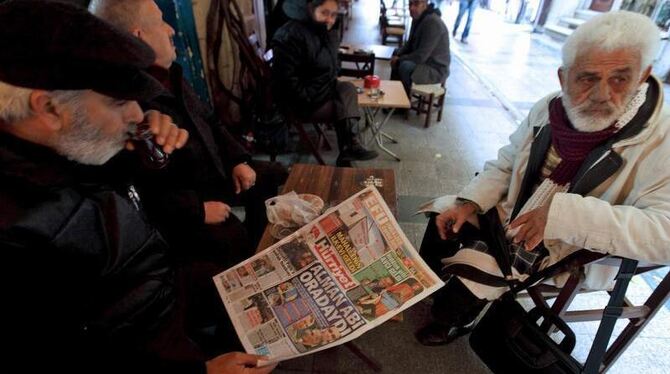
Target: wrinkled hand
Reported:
[(237, 363), (531, 227), (244, 177), (450, 221), (167, 134), (216, 212)]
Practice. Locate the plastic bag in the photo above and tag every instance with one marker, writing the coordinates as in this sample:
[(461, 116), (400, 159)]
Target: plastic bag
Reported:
[(293, 210)]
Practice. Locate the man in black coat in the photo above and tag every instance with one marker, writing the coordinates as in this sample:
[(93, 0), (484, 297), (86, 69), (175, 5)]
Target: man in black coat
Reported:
[(88, 285), (213, 171)]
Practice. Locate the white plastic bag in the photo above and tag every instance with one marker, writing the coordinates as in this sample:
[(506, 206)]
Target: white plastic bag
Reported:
[(293, 210)]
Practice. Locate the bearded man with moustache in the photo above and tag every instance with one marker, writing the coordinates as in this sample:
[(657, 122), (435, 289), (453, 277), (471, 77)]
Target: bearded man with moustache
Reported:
[(586, 169), (88, 283)]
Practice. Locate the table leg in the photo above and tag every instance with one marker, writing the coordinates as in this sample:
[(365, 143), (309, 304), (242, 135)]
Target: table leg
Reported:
[(378, 134)]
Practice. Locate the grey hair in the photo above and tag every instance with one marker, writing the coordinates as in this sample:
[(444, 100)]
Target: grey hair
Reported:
[(121, 13), (611, 31), (15, 101)]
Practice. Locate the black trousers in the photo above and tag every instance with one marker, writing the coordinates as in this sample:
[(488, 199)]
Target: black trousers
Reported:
[(269, 176), (342, 111), (232, 241), (197, 329), (453, 304)]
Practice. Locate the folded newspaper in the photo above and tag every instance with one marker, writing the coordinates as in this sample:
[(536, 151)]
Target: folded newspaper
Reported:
[(343, 274)]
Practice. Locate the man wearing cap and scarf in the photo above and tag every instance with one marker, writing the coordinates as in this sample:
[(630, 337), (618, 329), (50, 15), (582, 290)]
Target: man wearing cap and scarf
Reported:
[(425, 58), (190, 199), (585, 170), (88, 285)]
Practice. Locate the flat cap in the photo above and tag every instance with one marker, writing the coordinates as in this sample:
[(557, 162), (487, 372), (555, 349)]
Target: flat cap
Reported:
[(56, 46)]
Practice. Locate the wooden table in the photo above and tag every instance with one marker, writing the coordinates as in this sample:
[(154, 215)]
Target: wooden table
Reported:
[(335, 185), (382, 52), (394, 97)]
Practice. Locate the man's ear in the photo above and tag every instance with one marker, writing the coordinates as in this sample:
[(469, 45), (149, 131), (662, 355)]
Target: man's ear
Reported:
[(137, 32), (42, 104), (645, 74), (560, 73)]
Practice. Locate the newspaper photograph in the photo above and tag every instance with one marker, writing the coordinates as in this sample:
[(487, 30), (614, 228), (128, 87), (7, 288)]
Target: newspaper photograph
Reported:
[(343, 274)]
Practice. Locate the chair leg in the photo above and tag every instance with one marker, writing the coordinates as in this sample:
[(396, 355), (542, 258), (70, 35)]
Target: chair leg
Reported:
[(429, 110), (565, 297), (441, 104), (308, 142), (655, 302), (323, 140)]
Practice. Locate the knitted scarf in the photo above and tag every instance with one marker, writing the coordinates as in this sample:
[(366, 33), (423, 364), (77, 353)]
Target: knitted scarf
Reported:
[(572, 145)]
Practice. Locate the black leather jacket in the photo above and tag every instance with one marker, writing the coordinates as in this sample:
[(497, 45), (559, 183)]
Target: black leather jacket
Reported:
[(85, 281)]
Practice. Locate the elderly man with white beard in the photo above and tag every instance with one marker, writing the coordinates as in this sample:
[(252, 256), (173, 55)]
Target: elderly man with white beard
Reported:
[(586, 169)]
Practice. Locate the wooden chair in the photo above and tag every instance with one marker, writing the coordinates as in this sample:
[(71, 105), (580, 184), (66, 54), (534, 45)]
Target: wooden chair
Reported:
[(391, 30), (356, 65), (391, 26), (638, 316), (425, 97)]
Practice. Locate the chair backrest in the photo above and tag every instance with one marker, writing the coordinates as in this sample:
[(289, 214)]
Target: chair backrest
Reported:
[(356, 65)]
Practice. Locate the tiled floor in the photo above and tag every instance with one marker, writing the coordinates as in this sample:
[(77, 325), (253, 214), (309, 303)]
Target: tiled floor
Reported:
[(494, 80)]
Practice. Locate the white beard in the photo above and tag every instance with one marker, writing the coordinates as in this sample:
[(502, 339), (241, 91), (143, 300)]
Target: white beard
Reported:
[(86, 143), (590, 123)]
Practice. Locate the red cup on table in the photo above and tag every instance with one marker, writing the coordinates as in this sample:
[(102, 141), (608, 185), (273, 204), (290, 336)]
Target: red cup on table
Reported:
[(372, 82)]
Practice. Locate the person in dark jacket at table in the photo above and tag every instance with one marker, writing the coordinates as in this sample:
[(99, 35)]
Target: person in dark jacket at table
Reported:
[(87, 284), (213, 172), (425, 58), (305, 74)]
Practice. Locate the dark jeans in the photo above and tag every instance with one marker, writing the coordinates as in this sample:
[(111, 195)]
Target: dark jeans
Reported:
[(403, 71), (465, 6), (454, 304)]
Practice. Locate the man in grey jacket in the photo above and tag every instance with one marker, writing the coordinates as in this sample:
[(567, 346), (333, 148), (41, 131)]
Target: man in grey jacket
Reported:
[(425, 58)]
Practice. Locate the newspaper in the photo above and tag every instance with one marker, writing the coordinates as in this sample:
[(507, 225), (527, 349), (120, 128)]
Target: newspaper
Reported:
[(344, 273)]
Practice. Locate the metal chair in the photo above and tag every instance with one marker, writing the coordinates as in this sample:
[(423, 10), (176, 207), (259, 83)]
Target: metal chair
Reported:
[(639, 316)]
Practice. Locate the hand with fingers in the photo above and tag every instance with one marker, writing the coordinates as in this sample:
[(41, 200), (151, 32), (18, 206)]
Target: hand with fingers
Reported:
[(450, 221), (238, 363), (167, 134), (216, 212), (531, 226), (244, 177)]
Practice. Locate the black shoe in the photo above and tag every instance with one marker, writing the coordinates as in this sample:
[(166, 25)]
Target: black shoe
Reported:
[(464, 40), (342, 163), (356, 152), (401, 112), (453, 33), (435, 334)]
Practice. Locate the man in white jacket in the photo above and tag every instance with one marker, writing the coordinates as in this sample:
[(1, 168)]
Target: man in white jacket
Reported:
[(586, 169)]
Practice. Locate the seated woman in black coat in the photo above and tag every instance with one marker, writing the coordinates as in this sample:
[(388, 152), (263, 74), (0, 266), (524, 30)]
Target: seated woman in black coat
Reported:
[(305, 73)]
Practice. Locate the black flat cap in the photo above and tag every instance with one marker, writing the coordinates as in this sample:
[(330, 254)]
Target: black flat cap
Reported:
[(57, 46)]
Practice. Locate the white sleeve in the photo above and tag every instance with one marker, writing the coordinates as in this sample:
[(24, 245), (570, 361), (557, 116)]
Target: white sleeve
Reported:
[(640, 230), (492, 184)]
